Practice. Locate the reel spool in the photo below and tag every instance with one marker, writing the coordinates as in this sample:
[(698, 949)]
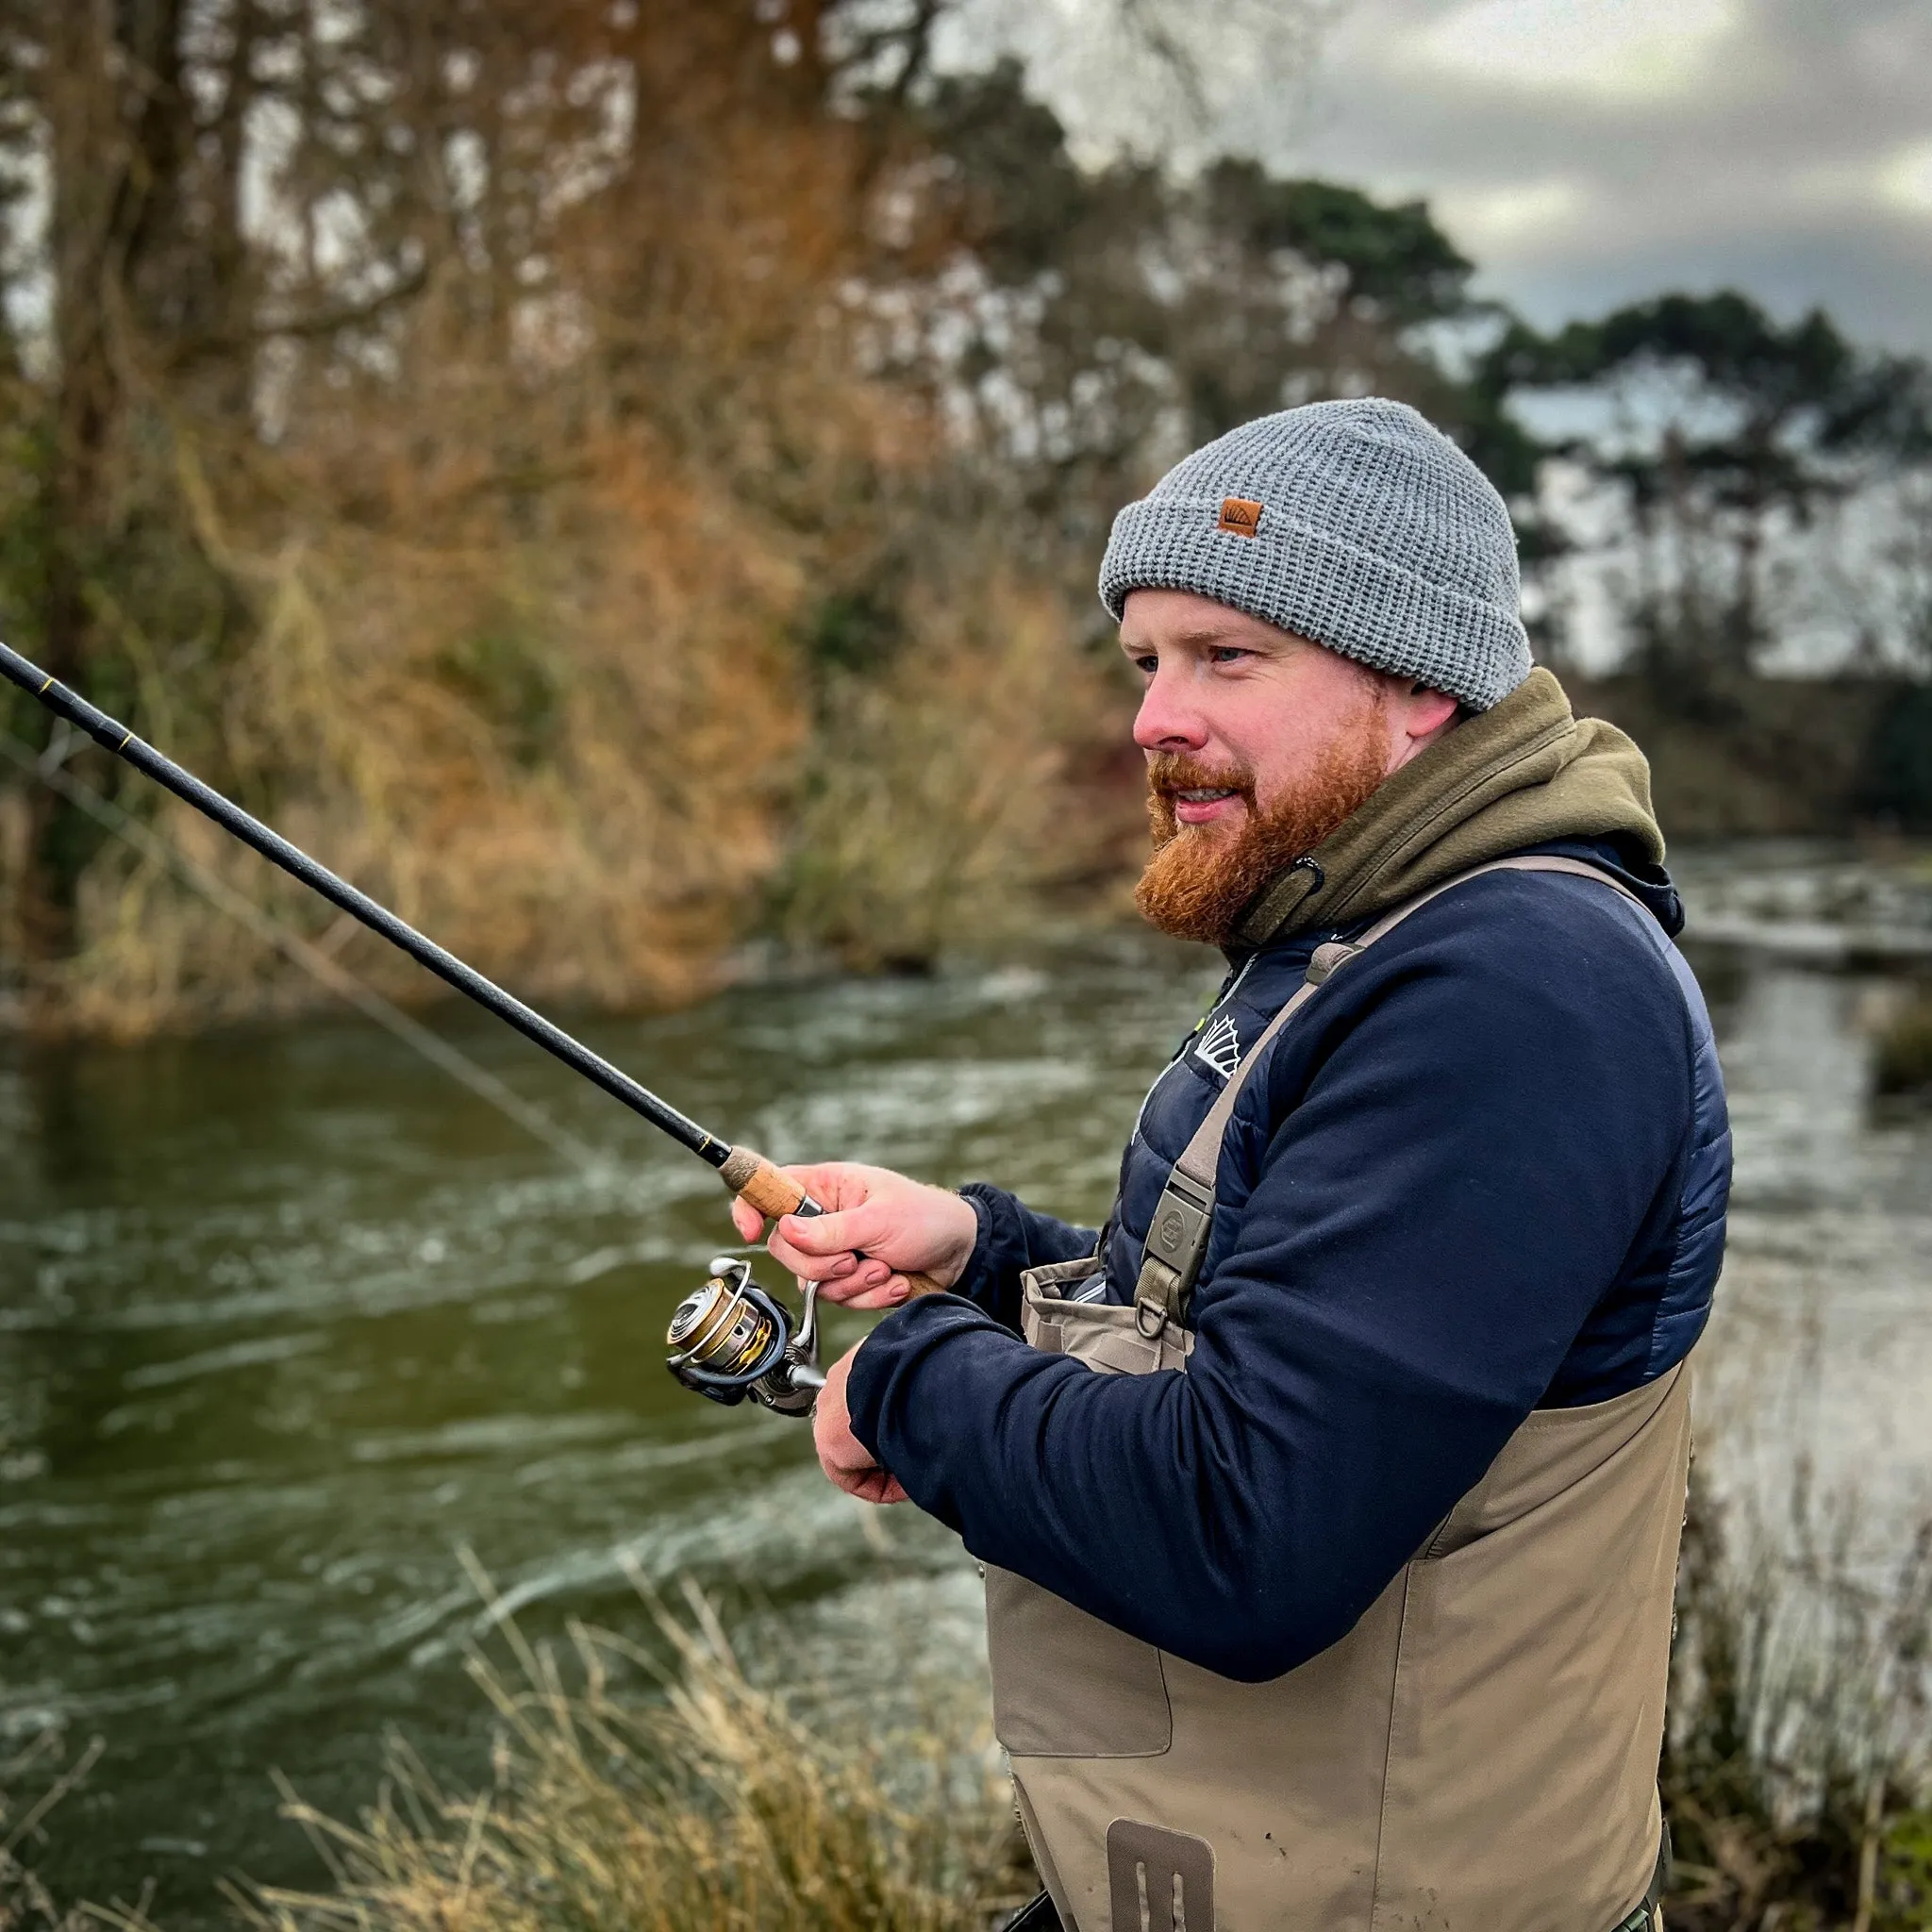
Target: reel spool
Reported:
[(731, 1339)]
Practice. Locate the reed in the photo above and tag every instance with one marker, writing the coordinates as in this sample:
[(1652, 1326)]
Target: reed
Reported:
[(967, 816), (711, 1804), (1902, 1052), (36, 1775), (1797, 1773)]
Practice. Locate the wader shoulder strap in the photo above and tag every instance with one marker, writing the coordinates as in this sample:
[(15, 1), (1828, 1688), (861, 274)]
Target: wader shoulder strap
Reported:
[(1184, 1216)]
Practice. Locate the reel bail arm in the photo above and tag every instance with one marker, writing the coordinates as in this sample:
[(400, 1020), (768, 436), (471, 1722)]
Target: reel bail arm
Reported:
[(730, 1340)]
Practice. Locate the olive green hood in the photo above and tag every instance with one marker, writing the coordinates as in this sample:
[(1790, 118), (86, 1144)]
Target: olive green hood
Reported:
[(1524, 773)]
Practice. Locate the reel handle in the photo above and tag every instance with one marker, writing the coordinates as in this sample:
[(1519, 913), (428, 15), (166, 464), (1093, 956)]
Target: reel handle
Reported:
[(773, 1193)]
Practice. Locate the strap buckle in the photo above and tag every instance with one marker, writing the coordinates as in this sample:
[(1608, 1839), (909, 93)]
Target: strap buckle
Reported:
[(1176, 1240)]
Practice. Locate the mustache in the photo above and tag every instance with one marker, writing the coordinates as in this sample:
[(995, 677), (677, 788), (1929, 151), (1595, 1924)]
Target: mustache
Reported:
[(1172, 771)]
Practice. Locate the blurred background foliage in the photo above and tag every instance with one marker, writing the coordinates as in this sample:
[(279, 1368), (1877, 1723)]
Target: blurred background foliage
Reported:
[(624, 481)]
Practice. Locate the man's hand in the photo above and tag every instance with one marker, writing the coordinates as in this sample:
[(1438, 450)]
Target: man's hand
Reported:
[(894, 1223), (843, 1457)]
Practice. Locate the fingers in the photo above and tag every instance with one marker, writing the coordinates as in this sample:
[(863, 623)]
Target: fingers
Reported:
[(827, 1248), (835, 1248), (868, 1482), (846, 1461), (825, 1236), (870, 1286), (802, 1260), (819, 1247), (866, 1284), (868, 1485)]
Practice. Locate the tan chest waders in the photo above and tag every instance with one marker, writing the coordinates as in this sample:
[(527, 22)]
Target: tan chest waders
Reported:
[(1477, 1754)]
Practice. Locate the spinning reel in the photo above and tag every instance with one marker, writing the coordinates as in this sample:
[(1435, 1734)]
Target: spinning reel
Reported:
[(733, 1340)]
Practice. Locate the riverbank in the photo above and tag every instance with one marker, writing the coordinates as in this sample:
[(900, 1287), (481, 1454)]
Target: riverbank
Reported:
[(947, 837)]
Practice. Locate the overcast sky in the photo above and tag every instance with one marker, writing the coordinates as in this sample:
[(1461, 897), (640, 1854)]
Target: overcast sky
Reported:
[(1588, 152)]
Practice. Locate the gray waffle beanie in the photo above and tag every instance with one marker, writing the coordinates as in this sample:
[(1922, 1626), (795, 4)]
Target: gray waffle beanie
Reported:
[(1355, 524)]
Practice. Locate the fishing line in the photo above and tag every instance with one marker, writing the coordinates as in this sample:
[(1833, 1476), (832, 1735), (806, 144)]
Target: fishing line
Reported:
[(293, 947), (114, 737)]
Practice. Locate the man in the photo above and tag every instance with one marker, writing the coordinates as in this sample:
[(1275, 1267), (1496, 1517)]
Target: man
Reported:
[(1339, 1598)]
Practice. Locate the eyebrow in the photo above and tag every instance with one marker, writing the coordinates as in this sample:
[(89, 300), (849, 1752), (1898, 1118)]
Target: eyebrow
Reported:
[(1205, 634)]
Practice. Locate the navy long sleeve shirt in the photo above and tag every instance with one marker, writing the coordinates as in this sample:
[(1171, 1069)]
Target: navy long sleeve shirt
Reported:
[(1484, 1170)]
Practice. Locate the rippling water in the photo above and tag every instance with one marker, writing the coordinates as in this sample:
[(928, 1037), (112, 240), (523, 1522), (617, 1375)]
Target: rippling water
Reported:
[(286, 1320)]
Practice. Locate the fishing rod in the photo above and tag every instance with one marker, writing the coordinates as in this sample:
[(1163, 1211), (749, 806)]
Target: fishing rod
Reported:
[(729, 1338)]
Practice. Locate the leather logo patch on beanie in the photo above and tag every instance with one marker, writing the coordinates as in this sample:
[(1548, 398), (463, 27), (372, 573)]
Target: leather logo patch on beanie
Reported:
[(1241, 515)]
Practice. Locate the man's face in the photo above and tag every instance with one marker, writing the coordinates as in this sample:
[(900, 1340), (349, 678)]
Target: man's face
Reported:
[(1258, 745)]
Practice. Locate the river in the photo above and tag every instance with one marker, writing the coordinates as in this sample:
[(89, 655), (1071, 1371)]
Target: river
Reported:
[(287, 1320)]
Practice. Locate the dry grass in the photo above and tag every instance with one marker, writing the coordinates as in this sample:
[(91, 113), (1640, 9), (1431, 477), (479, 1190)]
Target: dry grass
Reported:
[(1798, 1771), (34, 1778), (537, 750), (709, 1806), (587, 758)]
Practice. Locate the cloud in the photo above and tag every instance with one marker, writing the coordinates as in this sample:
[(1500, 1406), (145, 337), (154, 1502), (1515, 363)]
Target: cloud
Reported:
[(1592, 152), (1489, 221), (1618, 50), (1585, 153), (1905, 179)]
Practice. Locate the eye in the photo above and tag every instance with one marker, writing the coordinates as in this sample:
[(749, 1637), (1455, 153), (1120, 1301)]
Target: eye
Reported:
[(1146, 666), (1228, 653)]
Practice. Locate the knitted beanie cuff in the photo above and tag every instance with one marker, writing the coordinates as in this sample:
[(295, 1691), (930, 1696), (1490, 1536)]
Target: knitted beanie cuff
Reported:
[(1320, 587)]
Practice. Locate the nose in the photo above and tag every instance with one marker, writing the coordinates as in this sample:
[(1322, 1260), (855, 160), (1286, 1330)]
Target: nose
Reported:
[(1167, 719)]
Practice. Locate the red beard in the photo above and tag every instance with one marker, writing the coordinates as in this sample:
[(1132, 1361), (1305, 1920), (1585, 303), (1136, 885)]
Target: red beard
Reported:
[(1202, 879)]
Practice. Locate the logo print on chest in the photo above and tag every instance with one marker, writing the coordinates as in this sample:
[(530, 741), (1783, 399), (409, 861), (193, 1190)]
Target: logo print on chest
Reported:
[(1219, 1047)]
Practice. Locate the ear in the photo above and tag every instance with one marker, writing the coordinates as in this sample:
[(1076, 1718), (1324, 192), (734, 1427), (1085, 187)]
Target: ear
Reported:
[(1429, 713)]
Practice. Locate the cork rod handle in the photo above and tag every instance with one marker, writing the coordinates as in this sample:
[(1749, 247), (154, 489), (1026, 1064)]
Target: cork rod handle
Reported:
[(773, 1193)]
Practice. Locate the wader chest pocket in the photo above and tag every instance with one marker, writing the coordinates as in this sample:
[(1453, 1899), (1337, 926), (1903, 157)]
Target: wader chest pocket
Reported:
[(1066, 1685)]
